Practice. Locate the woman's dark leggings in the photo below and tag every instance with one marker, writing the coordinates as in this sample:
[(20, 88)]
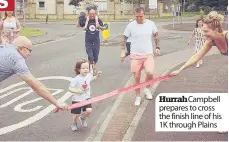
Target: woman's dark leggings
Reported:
[(92, 49)]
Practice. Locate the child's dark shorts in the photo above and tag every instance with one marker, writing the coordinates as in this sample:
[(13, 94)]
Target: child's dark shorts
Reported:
[(78, 110)]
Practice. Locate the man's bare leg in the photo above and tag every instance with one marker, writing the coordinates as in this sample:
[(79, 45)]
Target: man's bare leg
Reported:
[(137, 77), (147, 90), (149, 76)]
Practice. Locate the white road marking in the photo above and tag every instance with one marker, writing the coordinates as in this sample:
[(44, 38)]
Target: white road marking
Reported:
[(40, 114), (12, 92), (16, 99), (18, 107)]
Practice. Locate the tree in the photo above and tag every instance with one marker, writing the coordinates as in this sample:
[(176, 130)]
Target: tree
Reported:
[(20, 5), (223, 4), (137, 2), (76, 3), (173, 4), (198, 3), (215, 4), (211, 3), (90, 6)]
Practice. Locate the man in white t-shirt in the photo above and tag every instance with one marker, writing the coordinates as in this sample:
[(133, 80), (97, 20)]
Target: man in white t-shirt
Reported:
[(141, 32)]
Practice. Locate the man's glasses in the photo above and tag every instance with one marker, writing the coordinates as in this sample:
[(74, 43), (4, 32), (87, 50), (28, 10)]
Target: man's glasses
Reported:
[(30, 50)]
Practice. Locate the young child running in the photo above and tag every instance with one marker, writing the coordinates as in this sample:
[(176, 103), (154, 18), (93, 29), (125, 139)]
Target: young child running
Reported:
[(81, 89), (199, 38)]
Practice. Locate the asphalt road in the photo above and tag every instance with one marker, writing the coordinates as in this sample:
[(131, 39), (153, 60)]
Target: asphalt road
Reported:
[(24, 117)]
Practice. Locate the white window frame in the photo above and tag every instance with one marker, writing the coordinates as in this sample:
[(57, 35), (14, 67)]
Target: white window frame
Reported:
[(102, 6)]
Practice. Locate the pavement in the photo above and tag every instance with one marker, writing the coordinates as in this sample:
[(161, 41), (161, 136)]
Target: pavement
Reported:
[(27, 117), (190, 26), (212, 77), (186, 26)]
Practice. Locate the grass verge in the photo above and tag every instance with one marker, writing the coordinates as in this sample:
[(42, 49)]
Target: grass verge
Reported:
[(30, 32)]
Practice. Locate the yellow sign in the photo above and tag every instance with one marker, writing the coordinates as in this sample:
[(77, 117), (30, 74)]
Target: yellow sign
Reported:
[(106, 32)]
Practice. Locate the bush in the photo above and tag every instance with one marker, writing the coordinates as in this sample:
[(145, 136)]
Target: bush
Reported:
[(207, 9)]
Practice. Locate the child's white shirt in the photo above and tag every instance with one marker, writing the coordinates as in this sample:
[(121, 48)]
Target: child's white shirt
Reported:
[(82, 82)]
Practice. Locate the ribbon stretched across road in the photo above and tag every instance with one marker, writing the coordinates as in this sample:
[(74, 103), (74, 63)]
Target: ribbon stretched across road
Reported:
[(115, 92)]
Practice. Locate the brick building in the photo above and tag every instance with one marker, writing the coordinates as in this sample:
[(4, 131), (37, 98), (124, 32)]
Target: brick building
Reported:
[(60, 9)]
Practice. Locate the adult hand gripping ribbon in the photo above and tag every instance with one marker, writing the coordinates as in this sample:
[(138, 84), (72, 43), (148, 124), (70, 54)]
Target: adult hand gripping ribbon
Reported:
[(115, 92)]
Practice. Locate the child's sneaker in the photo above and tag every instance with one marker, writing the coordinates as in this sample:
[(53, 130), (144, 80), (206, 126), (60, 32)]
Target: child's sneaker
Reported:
[(74, 127), (83, 122)]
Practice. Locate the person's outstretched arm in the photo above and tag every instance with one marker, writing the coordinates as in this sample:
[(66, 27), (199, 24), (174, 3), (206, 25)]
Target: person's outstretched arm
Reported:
[(196, 57), (40, 89), (20, 68)]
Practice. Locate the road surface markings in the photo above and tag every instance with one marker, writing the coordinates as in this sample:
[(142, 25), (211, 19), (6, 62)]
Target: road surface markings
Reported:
[(40, 114)]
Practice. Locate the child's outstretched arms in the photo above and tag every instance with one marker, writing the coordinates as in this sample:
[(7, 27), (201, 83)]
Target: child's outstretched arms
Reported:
[(95, 77), (77, 91)]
